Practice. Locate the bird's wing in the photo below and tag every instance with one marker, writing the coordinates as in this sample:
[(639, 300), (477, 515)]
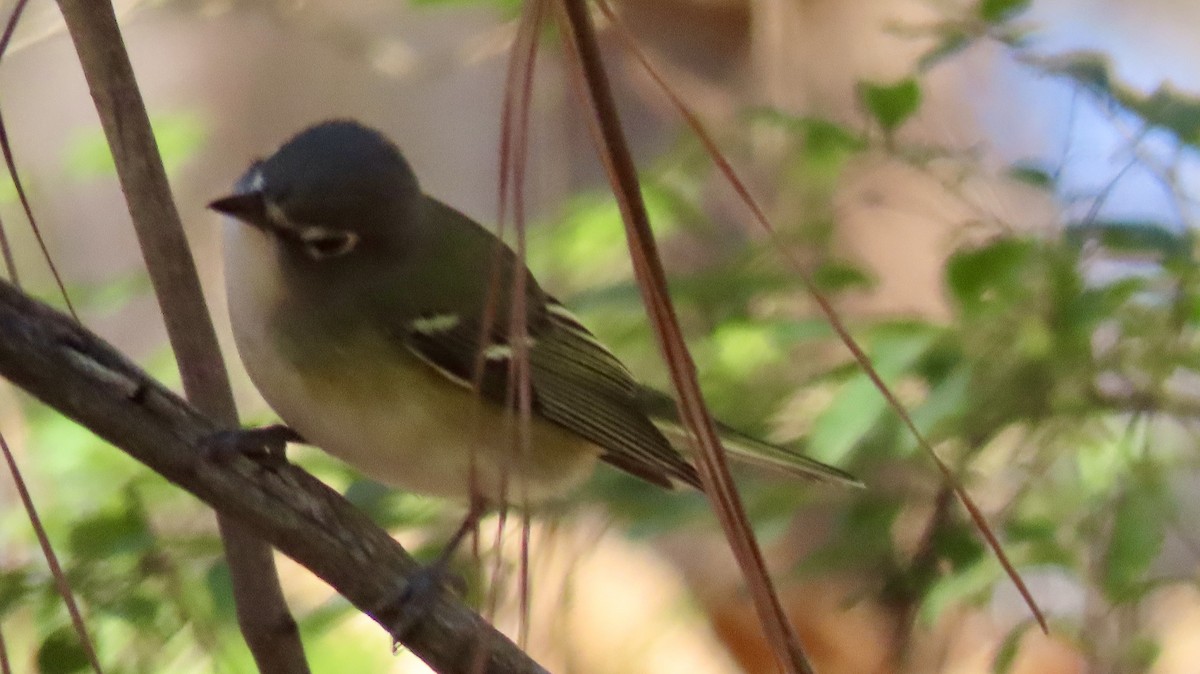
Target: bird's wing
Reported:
[(576, 383), (583, 386)]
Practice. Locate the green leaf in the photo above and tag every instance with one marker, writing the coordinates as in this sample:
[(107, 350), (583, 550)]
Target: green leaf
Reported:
[(858, 406), (1006, 655), (60, 653), (950, 44), (941, 408), (825, 146), (1031, 174), (999, 11), (743, 347), (828, 144), (14, 586), (959, 545), (1166, 108), (1087, 68), (890, 104), (1100, 463), (971, 585), (1141, 516), (1133, 236), (140, 607), (1140, 654), (973, 274), (1171, 109), (108, 534), (834, 276), (819, 134), (1030, 528), (587, 244)]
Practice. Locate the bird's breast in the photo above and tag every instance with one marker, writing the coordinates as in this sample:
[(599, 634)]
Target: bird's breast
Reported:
[(363, 398)]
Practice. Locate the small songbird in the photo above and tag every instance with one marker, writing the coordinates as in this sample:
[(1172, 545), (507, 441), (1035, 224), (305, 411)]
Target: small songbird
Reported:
[(358, 307)]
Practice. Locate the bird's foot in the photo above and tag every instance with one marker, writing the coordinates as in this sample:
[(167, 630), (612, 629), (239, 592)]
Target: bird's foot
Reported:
[(417, 597), (267, 445), (414, 603)]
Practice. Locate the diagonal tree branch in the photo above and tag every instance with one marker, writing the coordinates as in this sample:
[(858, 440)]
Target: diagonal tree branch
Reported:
[(72, 370), (266, 624)]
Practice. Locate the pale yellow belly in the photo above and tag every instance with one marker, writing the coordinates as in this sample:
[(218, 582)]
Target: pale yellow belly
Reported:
[(393, 417)]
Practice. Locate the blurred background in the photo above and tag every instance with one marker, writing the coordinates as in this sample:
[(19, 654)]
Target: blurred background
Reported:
[(998, 196)]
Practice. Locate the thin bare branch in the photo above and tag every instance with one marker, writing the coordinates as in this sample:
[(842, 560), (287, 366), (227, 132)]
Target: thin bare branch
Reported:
[(713, 468), (835, 320), (268, 627), (60, 578), (514, 150), (10, 162), (72, 370)]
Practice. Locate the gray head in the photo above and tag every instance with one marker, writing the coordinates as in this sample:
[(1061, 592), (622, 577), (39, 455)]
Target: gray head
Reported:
[(329, 189)]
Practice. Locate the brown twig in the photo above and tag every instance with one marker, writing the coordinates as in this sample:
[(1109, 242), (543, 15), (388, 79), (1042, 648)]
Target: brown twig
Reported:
[(60, 578), (56, 570), (840, 328), (10, 163), (514, 150), (713, 469), (6, 252), (72, 370), (268, 627)]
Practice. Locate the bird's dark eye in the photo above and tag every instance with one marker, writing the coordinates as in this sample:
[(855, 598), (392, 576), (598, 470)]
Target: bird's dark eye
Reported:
[(321, 243)]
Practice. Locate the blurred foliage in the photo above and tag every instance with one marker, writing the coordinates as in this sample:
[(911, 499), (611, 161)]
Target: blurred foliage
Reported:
[(1058, 392), (1164, 108), (1060, 395), (890, 105), (179, 136)]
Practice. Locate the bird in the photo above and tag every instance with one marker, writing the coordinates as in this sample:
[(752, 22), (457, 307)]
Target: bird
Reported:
[(363, 312)]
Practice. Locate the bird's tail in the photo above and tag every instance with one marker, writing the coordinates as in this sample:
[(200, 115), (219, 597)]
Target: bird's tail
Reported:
[(741, 447)]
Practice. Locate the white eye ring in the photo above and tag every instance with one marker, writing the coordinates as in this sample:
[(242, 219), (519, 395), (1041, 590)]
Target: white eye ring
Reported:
[(321, 243)]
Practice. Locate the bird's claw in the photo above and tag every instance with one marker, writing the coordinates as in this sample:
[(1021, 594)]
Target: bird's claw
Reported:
[(420, 592), (267, 445)]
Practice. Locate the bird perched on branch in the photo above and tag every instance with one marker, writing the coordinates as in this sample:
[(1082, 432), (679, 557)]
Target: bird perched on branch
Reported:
[(380, 324)]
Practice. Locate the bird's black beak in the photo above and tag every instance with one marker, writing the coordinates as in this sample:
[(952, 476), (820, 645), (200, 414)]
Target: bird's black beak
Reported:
[(249, 207)]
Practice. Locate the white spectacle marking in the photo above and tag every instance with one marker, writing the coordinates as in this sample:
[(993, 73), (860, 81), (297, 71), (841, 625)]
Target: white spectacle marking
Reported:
[(321, 243)]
